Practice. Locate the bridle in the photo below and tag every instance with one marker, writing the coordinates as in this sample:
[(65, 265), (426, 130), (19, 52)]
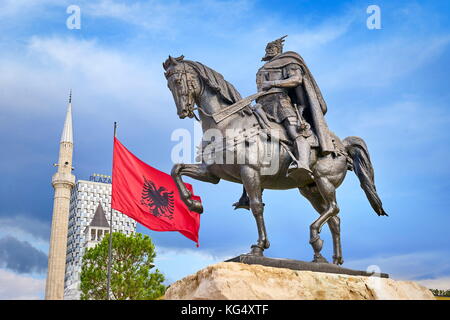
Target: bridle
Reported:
[(190, 84)]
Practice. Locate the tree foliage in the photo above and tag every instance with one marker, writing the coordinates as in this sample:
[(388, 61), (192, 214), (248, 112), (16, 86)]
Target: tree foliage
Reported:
[(443, 293), (131, 276)]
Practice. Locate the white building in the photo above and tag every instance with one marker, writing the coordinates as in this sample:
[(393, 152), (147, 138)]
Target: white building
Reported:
[(89, 199)]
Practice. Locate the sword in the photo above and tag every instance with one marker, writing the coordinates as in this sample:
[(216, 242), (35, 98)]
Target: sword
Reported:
[(239, 105), (299, 114)]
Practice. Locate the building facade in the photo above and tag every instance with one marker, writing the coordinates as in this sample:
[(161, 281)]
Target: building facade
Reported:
[(87, 199)]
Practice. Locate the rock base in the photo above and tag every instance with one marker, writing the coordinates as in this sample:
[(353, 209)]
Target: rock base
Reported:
[(239, 281)]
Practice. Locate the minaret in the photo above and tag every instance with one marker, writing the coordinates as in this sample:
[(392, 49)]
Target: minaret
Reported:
[(63, 181)]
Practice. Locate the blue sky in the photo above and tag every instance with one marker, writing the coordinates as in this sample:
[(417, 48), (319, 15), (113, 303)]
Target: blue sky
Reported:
[(388, 86)]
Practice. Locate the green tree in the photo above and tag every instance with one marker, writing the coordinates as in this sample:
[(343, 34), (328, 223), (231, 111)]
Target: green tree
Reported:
[(131, 276), (443, 293)]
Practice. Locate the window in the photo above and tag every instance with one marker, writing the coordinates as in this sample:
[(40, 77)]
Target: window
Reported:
[(92, 234)]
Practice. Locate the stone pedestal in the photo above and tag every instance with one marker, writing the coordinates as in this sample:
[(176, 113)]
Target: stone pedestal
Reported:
[(239, 281)]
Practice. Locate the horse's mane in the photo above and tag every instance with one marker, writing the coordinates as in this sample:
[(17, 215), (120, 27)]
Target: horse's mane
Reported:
[(216, 81)]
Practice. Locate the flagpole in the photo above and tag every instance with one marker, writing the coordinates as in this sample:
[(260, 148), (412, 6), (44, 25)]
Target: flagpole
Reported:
[(108, 285)]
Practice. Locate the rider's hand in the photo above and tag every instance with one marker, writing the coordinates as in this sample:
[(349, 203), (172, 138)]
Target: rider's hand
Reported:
[(266, 85)]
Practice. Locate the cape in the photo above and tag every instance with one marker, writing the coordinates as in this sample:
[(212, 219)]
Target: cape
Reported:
[(308, 91), (289, 57)]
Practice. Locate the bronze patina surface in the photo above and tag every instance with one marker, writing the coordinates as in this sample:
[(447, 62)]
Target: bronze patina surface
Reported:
[(308, 156)]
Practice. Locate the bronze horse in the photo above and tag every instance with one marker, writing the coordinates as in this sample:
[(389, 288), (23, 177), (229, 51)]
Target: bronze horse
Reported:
[(193, 83)]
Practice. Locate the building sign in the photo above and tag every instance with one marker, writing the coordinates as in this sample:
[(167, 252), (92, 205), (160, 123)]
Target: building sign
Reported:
[(100, 178)]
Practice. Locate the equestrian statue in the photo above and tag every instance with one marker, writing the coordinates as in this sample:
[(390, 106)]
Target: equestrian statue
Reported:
[(281, 142)]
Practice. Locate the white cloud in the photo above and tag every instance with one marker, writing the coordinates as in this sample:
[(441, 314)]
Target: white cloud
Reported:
[(406, 117), (168, 16), (33, 231), (132, 13), (405, 126), (20, 287), (19, 223), (176, 264), (115, 73), (225, 19), (408, 266), (105, 78), (325, 32), (12, 8), (379, 64), (364, 63), (437, 283)]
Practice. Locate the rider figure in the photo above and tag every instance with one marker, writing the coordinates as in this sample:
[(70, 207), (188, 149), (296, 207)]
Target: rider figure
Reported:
[(287, 75), (282, 75)]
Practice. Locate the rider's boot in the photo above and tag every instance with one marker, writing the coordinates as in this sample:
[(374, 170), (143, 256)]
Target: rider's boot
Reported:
[(299, 169), (244, 201)]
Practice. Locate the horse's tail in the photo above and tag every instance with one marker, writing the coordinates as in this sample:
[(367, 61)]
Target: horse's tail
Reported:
[(362, 166)]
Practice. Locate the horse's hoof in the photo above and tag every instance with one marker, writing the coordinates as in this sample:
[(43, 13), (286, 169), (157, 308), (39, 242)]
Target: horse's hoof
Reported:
[(316, 244), (338, 260), (266, 244), (196, 206), (256, 251), (319, 259)]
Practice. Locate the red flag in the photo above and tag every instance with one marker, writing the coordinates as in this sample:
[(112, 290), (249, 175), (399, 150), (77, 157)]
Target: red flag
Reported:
[(150, 196)]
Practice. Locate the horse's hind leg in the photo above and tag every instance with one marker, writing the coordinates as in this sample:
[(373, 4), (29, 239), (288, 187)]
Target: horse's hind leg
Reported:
[(328, 192), (335, 226), (252, 183), (317, 201)]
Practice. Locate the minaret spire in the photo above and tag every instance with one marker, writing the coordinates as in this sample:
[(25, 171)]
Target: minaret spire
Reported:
[(67, 135), (63, 181)]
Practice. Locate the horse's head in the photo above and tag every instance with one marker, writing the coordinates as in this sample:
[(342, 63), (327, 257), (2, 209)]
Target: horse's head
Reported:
[(184, 84)]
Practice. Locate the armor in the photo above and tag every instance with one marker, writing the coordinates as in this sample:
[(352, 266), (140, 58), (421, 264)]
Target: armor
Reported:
[(278, 105)]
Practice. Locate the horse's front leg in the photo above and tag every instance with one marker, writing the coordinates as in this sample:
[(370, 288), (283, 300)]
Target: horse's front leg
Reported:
[(195, 171), (252, 182)]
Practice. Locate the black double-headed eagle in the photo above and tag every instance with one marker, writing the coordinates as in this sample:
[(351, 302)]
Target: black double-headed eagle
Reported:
[(159, 201)]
